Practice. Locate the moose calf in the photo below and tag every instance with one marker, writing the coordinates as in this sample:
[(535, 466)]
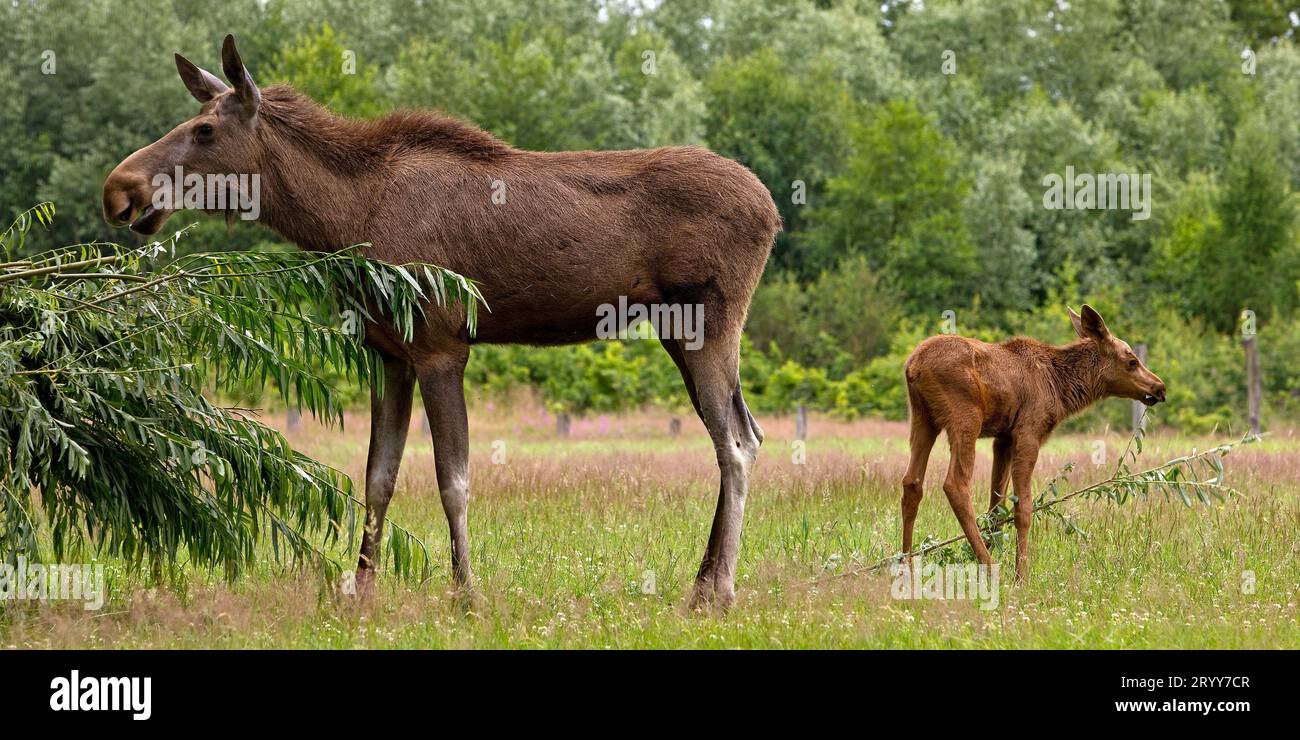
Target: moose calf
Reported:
[(1015, 392)]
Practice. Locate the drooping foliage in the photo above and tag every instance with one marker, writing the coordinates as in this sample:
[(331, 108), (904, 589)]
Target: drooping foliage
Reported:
[(107, 435)]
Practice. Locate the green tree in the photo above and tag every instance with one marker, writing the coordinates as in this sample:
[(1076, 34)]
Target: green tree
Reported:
[(1263, 20), (788, 126), (997, 213), (321, 64), (1231, 245), (538, 89), (668, 103), (1256, 261), (898, 201)]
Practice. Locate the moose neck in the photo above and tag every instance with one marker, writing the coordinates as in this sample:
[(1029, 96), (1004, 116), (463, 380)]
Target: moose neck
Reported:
[(308, 204), (307, 197), (1076, 371), (325, 175)]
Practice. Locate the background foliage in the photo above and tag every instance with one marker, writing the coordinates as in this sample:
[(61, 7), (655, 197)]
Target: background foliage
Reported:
[(923, 190)]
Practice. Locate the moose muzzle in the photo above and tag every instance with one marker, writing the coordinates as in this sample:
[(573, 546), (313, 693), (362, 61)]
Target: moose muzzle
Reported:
[(128, 199)]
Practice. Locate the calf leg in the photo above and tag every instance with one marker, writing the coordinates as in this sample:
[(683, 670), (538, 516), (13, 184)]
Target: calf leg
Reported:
[(921, 442), (442, 386), (1002, 450), (715, 371), (957, 487), (390, 417), (1001, 470), (1022, 473)]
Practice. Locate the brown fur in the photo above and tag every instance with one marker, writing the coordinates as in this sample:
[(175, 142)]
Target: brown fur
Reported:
[(1016, 392), (675, 225)]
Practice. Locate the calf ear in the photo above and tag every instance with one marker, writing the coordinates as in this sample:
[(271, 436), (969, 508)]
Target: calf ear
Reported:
[(1090, 325), (239, 77), (1077, 322), (202, 84)]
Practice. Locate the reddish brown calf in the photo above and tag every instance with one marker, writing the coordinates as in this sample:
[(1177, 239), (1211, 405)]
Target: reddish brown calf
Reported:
[(1016, 392)]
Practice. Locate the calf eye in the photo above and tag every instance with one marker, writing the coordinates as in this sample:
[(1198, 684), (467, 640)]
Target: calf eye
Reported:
[(1132, 363)]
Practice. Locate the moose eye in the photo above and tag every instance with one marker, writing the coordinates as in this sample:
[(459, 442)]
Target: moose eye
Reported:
[(204, 131)]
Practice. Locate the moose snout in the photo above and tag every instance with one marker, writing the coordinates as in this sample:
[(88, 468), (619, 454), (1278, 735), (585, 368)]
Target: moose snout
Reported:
[(128, 200), (124, 195)]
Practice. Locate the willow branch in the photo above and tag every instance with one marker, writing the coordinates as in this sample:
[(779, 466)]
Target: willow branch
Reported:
[(24, 274), (1140, 478)]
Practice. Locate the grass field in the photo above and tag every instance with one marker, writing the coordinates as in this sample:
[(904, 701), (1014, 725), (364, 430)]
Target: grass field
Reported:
[(564, 533)]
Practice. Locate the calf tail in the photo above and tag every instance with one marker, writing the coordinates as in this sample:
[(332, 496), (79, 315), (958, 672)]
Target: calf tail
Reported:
[(915, 401)]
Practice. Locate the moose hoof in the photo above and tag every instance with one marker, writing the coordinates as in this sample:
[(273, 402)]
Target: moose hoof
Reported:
[(467, 599), (364, 586), (711, 597)]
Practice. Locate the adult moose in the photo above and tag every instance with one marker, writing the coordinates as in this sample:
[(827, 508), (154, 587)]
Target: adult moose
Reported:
[(1016, 392), (565, 233)]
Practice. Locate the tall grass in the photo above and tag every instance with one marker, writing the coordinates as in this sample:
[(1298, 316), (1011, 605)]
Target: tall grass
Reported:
[(564, 532)]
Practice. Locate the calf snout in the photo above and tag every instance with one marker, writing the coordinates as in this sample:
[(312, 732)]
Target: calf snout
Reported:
[(1156, 394)]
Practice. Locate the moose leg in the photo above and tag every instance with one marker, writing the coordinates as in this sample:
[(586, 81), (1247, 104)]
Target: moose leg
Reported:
[(957, 486), (921, 442), (1022, 473), (678, 353), (390, 416), (442, 386), (714, 368)]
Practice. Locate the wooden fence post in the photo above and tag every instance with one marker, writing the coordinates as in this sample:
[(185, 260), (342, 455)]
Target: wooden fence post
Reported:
[(1254, 381), (1137, 409), (292, 418), (801, 423)]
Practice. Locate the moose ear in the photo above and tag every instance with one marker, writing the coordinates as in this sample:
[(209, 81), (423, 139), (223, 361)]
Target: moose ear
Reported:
[(239, 77), (202, 84), (1089, 324)]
